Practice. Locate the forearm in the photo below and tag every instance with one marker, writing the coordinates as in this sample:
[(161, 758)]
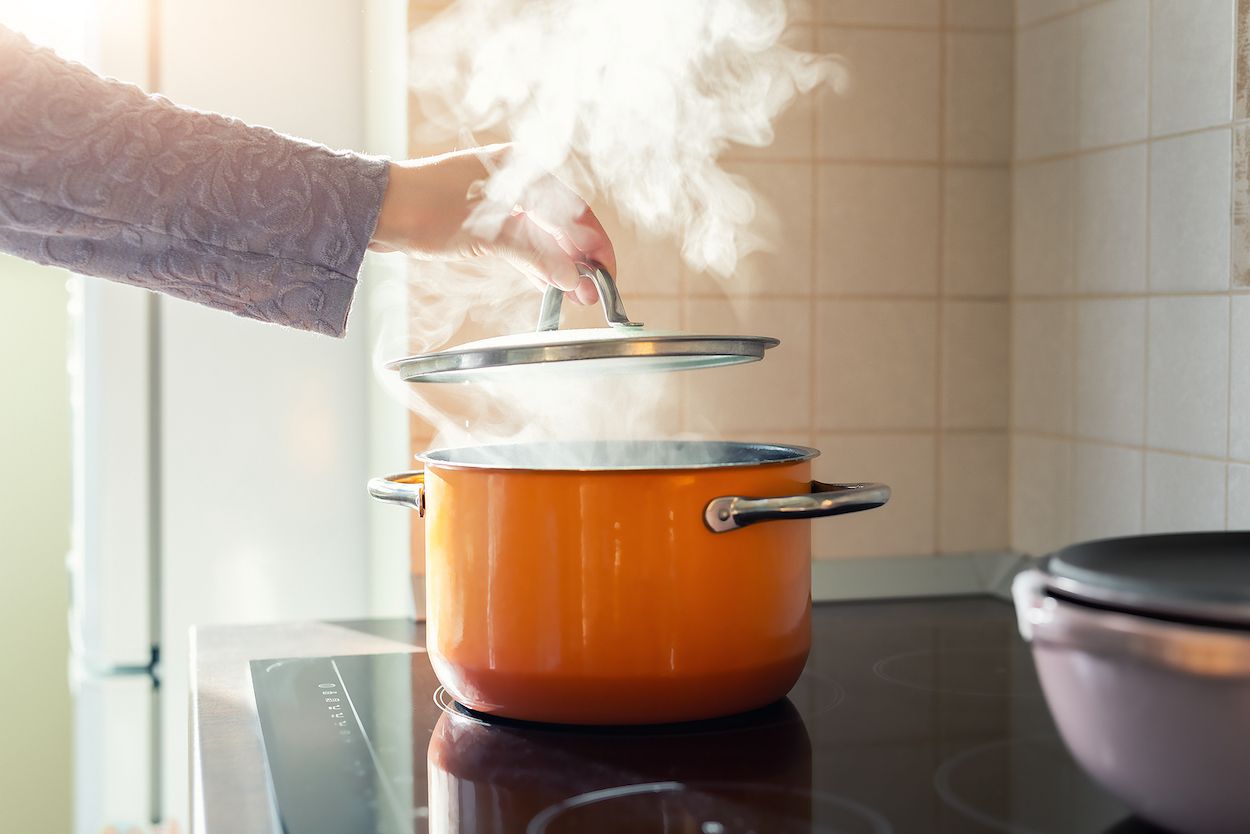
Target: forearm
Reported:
[(100, 178)]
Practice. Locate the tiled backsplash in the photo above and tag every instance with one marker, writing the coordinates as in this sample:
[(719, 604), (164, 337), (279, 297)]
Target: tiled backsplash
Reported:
[(1010, 268), (1129, 337), (908, 174), (887, 209)]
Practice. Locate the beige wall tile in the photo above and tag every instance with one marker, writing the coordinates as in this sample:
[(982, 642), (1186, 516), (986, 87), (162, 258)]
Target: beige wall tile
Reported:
[(783, 438), (1187, 394), (877, 229), (1046, 88), (660, 313), (1241, 197), (974, 511), (1040, 478), (998, 14), (974, 364), (801, 11), (904, 526), (794, 128), (1106, 491), (1191, 64), (1111, 221), (1028, 11), (978, 96), (976, 230), (1111, 370), (875, 364), (890, 108), (1238, 497), (1183, 494), (1239, 395), (773, 394), (1114, 76), (1043, 227), (1041, 366), (645, 264), (1190, 182), (782, 224), (911, 12)]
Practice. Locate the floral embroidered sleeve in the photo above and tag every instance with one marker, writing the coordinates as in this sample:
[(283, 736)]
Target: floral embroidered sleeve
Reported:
[(102, 179)]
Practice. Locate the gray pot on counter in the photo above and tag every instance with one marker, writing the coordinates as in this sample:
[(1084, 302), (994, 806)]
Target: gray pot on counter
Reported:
[(1142, 645)]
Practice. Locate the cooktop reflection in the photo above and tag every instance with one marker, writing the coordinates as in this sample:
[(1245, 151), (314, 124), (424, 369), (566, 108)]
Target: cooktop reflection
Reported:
[(918, 717)]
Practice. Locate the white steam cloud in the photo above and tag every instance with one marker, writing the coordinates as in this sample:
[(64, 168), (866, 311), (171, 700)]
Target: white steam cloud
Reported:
[(632, 101), (632, 104)]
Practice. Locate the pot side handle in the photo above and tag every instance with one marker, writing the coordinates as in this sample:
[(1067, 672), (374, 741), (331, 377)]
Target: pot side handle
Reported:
[(406, 489), (730, 512)]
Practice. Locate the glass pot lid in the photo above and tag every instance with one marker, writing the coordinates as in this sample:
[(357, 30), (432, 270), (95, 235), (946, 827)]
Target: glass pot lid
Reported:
[(623, 346)]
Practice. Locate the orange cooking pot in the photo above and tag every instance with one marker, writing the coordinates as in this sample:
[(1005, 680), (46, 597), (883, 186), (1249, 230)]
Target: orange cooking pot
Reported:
[(619, 582)]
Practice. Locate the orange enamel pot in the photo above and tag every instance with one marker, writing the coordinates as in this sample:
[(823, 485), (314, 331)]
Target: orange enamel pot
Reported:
[(619, 583)]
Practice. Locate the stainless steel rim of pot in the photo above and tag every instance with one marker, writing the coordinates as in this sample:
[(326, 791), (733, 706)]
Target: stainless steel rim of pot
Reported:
[(624, 349), (721, 514), (617, 455), (1205, 651)]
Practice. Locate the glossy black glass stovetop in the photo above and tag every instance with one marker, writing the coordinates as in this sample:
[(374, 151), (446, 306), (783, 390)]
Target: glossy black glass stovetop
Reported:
[(913, 717)]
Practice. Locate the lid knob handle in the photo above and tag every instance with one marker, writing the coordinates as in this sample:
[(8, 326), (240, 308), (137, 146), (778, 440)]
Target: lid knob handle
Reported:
[(609, 298)]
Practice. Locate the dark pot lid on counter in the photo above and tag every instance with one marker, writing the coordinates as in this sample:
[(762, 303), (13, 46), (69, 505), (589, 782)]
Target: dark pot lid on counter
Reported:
[(1203, 578), (623, 346)]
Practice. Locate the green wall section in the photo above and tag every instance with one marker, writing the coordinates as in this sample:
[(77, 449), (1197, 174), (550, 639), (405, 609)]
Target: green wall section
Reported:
[(35, 770)]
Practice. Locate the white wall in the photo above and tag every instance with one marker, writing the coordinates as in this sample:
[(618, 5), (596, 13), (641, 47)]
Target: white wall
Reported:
[(265, 431)]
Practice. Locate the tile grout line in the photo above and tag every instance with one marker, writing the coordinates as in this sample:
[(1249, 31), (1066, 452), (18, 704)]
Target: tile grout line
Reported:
[(1238, 68), (1039, 434), (1059, 156), (1232, 208), (1072, 12), (1011, 294), (1130, 296), (1145, 390), (939, 456), (1067, 520), (813, 266), (916, 28), (867, 161), (1074, 308), (1228, 395), (907, 431)]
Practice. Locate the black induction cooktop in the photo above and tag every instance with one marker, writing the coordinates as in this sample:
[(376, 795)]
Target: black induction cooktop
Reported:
[(912, 717)]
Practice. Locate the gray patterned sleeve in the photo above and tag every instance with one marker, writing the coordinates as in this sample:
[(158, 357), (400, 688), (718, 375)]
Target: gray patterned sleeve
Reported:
[(98, 177)]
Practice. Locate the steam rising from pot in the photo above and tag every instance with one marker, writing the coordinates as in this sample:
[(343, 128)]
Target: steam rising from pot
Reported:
[(632, 104)]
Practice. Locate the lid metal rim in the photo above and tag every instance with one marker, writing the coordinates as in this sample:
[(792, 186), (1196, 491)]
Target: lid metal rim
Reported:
[(1145, 604), (659, 338), (748, 347), (799, 454)]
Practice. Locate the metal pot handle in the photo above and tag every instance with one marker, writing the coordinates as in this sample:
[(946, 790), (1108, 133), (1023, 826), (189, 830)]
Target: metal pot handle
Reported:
[(406, 489), (730, 512), (609, 298)]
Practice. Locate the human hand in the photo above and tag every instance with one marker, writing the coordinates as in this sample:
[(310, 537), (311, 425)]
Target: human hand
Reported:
[(437, 209)]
